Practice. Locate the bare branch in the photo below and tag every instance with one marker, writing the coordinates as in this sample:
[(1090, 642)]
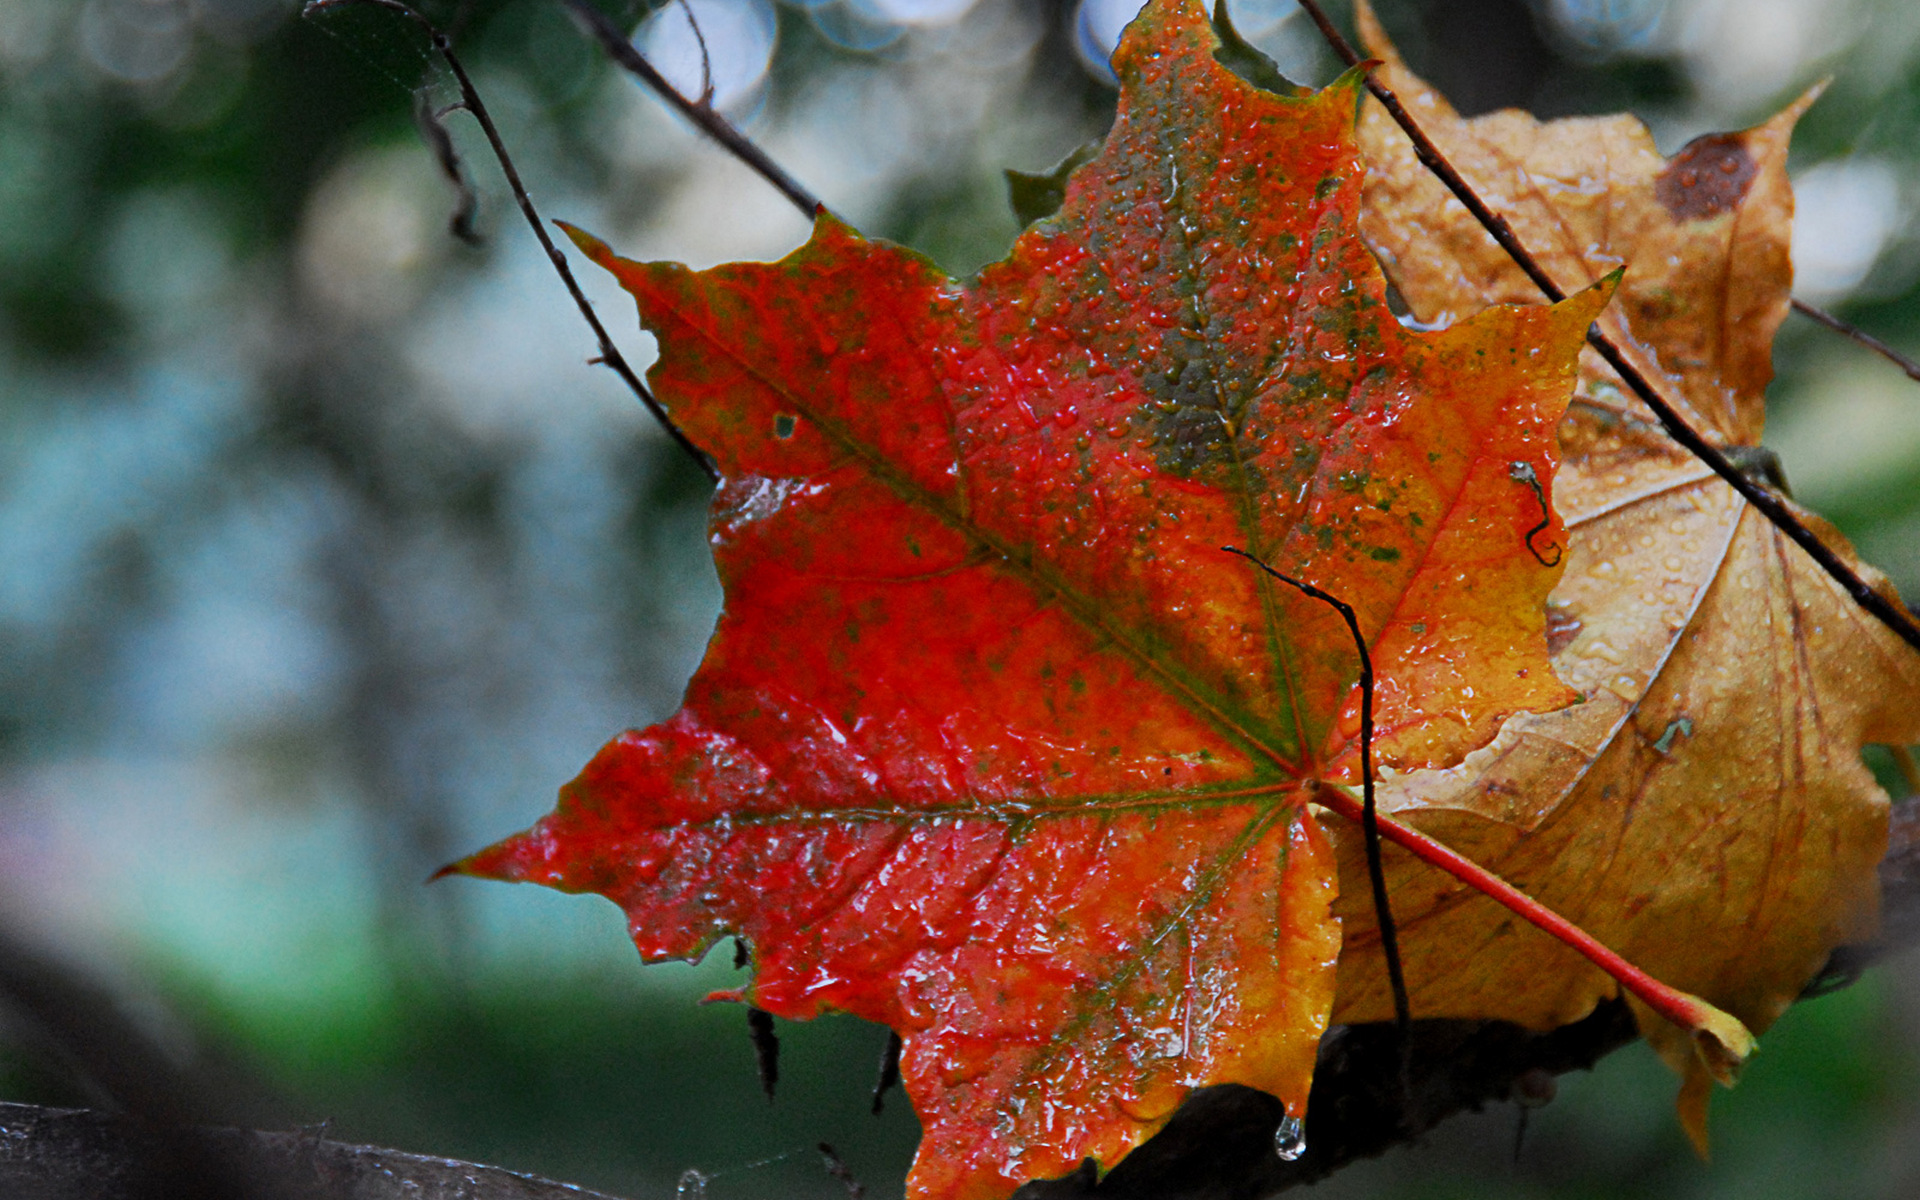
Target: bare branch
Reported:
[(706, 59), (470, 100), (1866, 339), (700, 112)]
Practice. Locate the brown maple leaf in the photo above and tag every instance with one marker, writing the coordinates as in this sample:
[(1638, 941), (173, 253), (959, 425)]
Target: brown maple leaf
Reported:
[(1705, 811)]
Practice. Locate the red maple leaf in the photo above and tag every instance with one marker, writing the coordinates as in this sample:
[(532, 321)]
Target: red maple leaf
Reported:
[(992, 743)]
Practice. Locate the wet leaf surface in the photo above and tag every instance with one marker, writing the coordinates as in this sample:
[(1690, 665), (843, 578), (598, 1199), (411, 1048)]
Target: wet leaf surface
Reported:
[(993, 743)]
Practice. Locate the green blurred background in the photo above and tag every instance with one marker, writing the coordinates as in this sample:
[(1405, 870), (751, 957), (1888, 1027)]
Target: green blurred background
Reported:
[(325, 558)]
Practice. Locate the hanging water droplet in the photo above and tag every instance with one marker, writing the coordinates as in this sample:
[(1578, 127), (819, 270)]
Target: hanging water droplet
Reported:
[(1290, 1139)]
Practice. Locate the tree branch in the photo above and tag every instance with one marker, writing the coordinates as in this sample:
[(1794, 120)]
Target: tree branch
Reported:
[(609, 355), (1823, 317), (700, 112)]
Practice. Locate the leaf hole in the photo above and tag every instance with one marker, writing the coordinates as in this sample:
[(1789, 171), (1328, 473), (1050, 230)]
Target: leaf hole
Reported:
[(784, 424)]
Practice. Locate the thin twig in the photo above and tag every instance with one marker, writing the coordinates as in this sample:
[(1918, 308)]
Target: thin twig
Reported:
[(703, 115), (706, 60), (433, 130), (470, 100), (1369, 812), (1890, 613), (1859, 335)]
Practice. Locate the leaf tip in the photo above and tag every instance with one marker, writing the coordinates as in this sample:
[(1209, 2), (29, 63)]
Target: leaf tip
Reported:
[(589, 245), (1589, 300), (507, 861), (1354, 78), (1690, 1106)]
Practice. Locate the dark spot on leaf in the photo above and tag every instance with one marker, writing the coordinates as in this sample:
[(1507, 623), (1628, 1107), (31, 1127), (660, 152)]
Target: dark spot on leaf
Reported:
[(784, 424), (1708, 177), (1384, 554)]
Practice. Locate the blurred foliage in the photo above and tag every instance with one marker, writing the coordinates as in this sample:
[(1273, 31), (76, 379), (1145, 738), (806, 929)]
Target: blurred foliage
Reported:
[(324, 557)]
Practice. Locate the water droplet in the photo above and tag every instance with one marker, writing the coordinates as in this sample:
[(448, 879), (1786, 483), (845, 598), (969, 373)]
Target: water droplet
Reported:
[(1290, 1139)]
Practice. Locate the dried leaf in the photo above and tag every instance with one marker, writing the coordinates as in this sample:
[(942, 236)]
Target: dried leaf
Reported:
[(1705, 812)]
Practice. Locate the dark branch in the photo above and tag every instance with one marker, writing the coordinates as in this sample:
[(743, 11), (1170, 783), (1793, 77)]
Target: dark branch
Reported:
[(1866, 339), (701, 113), (470, 100), (1890, 613)]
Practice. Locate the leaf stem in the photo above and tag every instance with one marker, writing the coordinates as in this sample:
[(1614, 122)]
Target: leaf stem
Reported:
[(1891, 613), (1722, 1041), (609, 355)]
